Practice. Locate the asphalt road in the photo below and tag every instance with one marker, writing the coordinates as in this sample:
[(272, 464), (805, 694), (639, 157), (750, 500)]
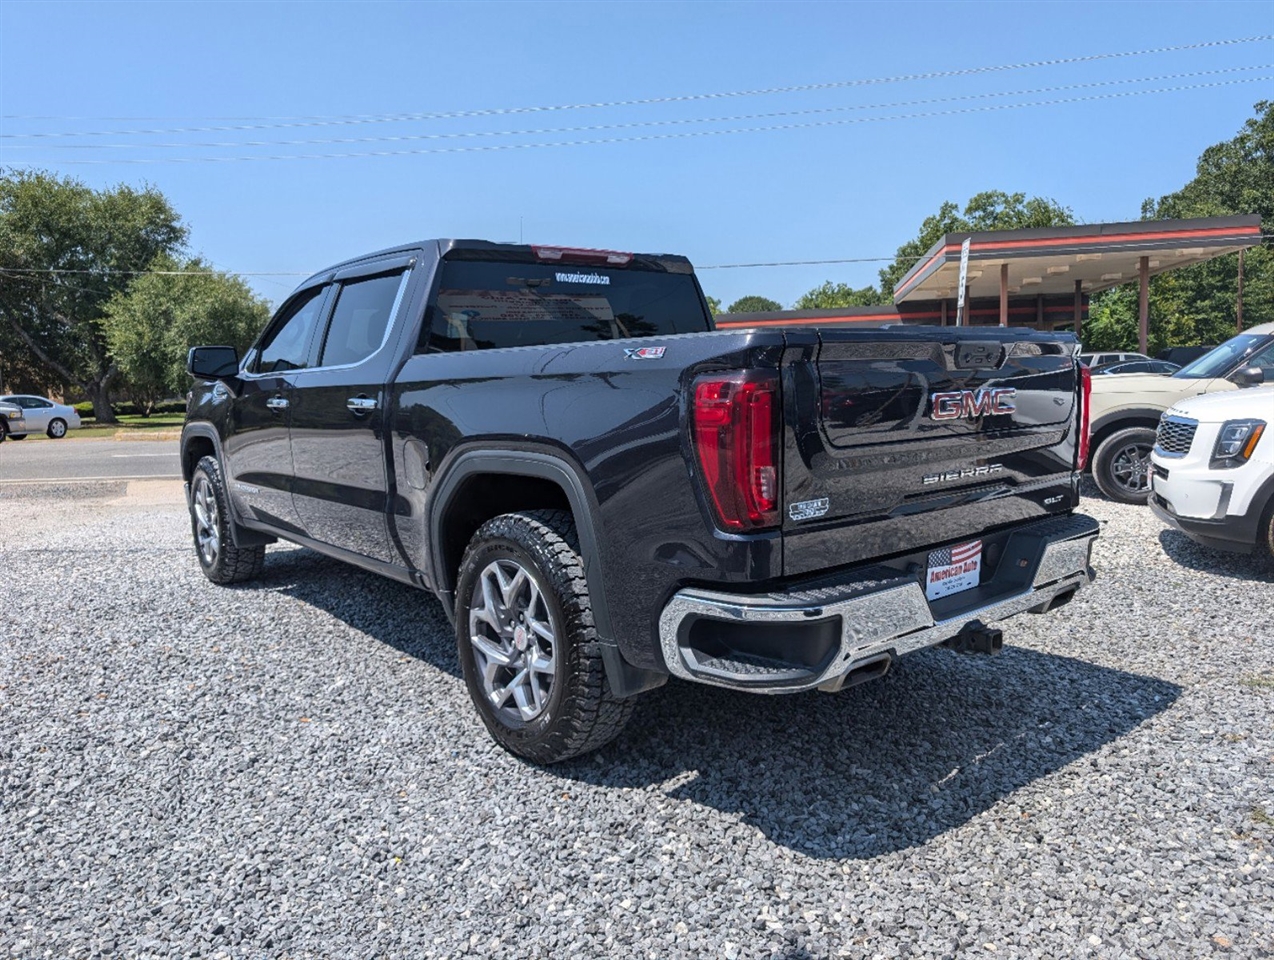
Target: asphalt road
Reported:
[(74, 459)]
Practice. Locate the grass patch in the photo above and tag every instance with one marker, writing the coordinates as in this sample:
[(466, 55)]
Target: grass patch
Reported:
[(1260, 681), (128, 423), (1262, 816)]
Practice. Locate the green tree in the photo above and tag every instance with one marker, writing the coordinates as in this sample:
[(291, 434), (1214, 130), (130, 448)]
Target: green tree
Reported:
[(833, 295), (989, 210), (714, 304), (65, 251), (152, 325), (1232, 177), (754, 304)]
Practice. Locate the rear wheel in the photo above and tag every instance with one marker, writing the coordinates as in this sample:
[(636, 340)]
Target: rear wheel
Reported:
[(526, 641), (222, 562), (1121, 463), (4, 431), (57, 429)]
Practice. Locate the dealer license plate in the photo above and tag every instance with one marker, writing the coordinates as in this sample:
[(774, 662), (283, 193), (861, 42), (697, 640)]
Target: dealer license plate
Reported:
[(953, 569)]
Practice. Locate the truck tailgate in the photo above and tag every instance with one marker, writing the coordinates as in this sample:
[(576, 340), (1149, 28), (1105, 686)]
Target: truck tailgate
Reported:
[(898, 439)]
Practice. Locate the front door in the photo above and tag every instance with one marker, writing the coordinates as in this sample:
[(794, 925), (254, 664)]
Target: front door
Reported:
[(256, 446), (338, 417)]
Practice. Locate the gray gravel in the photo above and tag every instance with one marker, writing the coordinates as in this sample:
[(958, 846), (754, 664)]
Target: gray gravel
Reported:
[(293, 770)]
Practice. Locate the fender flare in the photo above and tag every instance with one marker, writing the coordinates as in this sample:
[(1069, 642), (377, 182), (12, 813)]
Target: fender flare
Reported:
[(1112, 419), (543, 462), (522, 461)]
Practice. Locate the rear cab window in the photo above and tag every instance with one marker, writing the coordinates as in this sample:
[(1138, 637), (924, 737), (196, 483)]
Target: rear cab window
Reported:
[(488, 304)]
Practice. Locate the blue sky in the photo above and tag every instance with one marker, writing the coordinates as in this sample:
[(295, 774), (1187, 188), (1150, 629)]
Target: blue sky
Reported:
[(839, 190)]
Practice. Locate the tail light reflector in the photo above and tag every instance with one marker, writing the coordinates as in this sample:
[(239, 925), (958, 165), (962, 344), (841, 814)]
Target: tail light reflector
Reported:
[(1085, 404), (735, 417)]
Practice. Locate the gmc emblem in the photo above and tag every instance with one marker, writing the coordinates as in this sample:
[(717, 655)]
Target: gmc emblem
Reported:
[(973, 403)]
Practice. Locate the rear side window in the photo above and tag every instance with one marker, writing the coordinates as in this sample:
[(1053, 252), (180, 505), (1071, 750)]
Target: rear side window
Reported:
[(286, 344), (360, 318), (485, 305)]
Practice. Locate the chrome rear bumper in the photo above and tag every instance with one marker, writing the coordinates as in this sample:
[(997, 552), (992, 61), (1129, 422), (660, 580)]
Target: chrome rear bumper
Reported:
[(864, 615)]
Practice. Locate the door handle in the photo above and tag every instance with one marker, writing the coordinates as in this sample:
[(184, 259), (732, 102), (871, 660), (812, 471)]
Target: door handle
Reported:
[(360, 405), (277, 403)]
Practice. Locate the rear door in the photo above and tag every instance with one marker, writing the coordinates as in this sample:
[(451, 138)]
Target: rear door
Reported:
[(338, 412), (922, 436)]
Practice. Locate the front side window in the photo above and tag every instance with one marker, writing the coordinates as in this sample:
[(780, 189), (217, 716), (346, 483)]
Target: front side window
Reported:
[(1265, 360), (485, 304), (287, 343), (360, 318)]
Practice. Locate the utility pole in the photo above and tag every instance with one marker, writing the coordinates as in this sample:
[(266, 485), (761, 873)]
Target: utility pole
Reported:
[(1238, 301)]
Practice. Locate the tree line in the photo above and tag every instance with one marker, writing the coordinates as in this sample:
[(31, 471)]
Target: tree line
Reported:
[(99, 294), (1188, 307)]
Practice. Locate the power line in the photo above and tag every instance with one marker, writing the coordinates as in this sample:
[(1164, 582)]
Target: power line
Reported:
[(487, 148), (25, 273), (643, 101), (160, 273), (644, 123)]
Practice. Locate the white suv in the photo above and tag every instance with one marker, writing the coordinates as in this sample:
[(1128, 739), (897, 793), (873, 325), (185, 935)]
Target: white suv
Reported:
[(1212, 469)]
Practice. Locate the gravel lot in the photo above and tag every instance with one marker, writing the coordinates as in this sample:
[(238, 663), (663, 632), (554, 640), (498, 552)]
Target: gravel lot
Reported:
[(293, 770)]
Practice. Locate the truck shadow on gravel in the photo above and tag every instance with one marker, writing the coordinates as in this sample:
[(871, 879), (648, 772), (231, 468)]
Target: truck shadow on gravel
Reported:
[(1183, 551), (885, 766), (872, 770), (397, 615)]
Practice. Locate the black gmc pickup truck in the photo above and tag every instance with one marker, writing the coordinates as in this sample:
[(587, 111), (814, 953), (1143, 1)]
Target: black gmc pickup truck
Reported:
[(603, 491)]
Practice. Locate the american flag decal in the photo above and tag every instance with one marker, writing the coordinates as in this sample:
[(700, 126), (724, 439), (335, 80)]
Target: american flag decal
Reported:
[(957, 554)]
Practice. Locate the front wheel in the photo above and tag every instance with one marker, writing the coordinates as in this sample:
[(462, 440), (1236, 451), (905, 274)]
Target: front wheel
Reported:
[(1121, 464), (222, 562), (526, 640), (57, 429)]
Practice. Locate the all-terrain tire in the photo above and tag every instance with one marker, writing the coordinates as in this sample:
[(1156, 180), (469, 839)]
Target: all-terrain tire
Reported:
[(580, 713), (221, 561), (1120, 463)]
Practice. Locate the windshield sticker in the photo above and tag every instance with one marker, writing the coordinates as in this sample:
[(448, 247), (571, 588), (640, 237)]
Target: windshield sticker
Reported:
[(598, 278)]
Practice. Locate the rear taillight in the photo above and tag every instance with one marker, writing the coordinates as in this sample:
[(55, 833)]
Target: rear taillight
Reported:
[(1085, 404), (736, 422)]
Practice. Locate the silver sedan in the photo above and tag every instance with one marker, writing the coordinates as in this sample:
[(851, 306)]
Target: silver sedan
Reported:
[(42, 415)]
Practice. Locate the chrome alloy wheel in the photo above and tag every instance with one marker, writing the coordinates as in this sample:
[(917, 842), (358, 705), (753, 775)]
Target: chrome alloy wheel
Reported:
[(207, 537), (1130, 466), (511, 631)]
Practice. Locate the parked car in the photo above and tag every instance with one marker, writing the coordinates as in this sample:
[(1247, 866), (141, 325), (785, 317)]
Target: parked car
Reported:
[(1095, 361), (1212, 474), (43, 415), (603, 491), (11, 420), (1126, 409), (1160, 367)]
